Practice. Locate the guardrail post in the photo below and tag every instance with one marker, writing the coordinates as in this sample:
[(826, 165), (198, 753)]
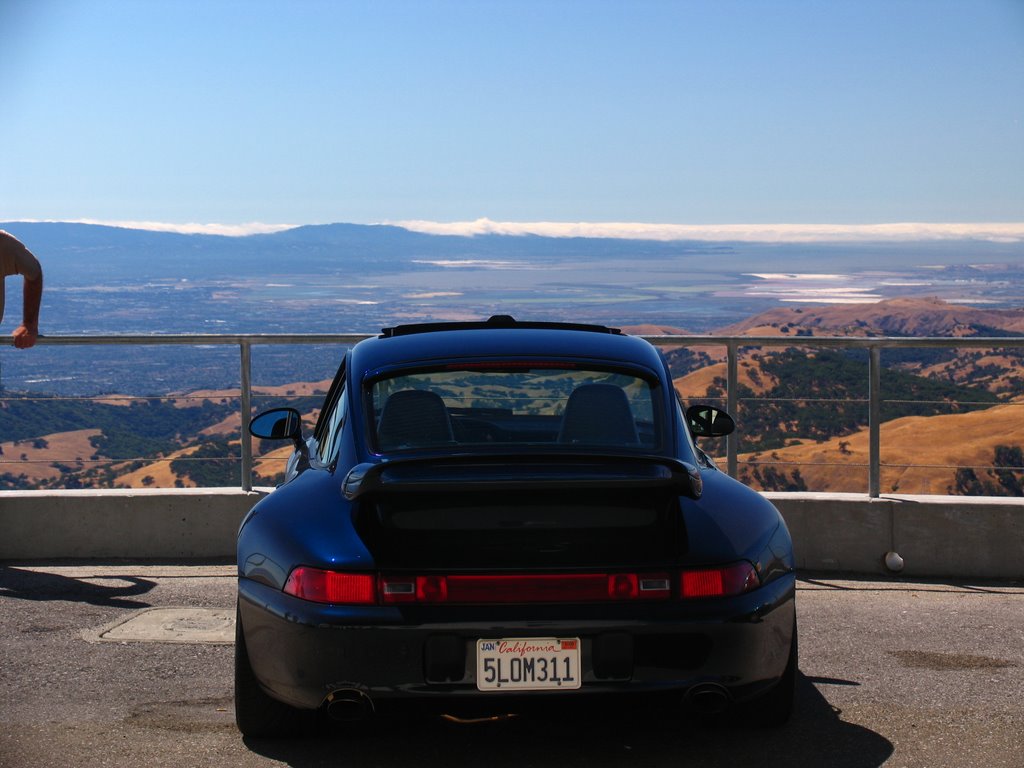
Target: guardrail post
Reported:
[(246, 413), (731, 400), (874, 420)]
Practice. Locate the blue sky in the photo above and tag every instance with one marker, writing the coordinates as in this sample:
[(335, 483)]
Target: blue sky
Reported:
[(686, 113)]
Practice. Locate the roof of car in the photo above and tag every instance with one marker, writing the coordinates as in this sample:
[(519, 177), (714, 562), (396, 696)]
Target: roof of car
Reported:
[(501, 337), (491, 323)]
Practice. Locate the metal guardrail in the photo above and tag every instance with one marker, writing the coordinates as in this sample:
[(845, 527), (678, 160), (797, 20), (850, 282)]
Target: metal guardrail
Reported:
[(874, 346), (733, 344)]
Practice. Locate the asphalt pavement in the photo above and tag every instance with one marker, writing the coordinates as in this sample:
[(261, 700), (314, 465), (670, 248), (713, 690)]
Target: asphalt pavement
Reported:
[(126, 664)]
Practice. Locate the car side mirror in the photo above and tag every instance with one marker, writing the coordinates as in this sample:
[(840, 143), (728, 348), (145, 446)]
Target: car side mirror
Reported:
[(278, 424), (708, 421)]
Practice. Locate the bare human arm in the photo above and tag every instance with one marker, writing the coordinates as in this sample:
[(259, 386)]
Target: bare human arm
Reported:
[(16, 259), (25, 334)]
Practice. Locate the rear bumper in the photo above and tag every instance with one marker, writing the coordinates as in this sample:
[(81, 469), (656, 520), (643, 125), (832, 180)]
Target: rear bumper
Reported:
[(302, 652)]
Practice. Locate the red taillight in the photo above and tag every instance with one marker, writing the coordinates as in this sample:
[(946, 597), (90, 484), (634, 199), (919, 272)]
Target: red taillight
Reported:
[(623, 586), (560, 588), (633, 586), (346, 588), (533, 588), (431, 589), (729, 580), (332, 586)]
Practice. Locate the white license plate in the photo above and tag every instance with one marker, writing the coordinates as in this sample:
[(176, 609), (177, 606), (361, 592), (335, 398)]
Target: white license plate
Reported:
[(528, 664)]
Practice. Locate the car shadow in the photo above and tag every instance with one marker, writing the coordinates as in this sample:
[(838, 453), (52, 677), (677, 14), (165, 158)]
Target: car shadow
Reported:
[(815, 736), (28, 584)]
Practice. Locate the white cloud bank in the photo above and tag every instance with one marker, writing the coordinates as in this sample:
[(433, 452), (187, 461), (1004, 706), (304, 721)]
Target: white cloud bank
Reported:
[(1003, 232), (228, 230), (1010, 232)]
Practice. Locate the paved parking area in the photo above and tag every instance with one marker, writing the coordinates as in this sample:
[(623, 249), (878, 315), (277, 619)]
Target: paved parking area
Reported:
[(893, 672)]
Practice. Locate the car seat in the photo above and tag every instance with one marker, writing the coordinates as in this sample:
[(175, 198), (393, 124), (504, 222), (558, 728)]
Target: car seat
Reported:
[(598, 414), (412, 418)]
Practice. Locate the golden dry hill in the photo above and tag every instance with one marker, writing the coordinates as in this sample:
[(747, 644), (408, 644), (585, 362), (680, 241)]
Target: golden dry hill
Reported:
[(72, 459), (890, 317), (919, 455)]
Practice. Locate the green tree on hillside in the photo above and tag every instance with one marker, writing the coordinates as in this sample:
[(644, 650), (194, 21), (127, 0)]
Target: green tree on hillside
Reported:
[(1006, 478), (214, 464)]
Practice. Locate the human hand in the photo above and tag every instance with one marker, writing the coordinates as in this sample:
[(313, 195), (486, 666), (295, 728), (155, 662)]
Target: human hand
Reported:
[(25, 336)]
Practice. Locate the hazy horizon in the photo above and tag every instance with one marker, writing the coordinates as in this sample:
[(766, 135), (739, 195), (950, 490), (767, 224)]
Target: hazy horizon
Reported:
[(996, 231)]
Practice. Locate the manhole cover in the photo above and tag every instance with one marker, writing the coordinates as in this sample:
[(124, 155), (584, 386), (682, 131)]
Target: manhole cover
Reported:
[(173, 625)]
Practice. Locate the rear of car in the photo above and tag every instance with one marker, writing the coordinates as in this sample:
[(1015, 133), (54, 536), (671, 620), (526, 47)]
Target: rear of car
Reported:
[(510, 521)]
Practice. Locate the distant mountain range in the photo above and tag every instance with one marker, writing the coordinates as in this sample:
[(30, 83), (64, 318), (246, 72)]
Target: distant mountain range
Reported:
[(88, 251)]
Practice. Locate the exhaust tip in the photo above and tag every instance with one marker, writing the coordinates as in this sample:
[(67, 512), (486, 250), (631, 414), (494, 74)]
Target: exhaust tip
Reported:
[(348, 705), (708, 698)]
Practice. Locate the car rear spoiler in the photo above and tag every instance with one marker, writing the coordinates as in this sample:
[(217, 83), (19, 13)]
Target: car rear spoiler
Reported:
[(505, 472)]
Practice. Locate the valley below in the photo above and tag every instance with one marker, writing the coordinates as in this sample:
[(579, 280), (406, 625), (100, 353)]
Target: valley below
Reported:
[(74, 413)]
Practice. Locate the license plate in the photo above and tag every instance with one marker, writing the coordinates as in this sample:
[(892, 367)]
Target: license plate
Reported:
[(528, 664)]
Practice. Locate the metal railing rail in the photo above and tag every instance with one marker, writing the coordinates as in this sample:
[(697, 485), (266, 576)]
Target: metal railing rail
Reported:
[(733, 344)]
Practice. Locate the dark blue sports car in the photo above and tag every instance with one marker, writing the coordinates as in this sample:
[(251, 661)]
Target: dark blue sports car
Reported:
[(494, 514)]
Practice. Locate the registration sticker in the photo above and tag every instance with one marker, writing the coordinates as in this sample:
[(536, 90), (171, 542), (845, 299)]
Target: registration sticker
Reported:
[(528, 664)]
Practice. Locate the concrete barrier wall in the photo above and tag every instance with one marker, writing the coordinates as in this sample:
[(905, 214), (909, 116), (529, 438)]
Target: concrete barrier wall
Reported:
[(940, 536), (145, 524)]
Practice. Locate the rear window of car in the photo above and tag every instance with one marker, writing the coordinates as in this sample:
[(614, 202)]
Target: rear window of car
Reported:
[(521, 403)]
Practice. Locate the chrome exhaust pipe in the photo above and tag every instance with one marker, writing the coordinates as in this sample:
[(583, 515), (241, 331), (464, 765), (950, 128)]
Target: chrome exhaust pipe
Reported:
[(708, 698), (348, 705)]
